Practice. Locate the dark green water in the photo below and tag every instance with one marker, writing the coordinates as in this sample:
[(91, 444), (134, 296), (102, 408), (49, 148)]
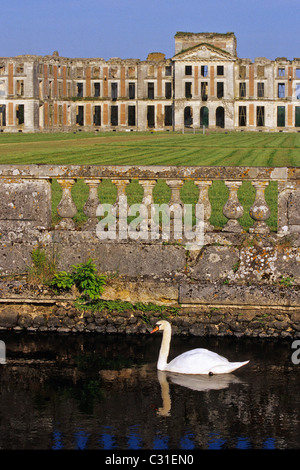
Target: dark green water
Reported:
[(103, 392)]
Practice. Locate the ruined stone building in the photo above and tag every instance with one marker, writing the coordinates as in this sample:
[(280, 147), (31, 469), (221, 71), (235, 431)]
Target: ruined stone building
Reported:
[(203, 84)]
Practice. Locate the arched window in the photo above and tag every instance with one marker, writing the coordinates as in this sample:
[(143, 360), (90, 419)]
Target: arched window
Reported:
[(204, 116), (188, 116), (220, 117)]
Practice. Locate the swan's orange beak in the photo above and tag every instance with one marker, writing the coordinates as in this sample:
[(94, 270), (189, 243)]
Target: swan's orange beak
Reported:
[(154, 330)]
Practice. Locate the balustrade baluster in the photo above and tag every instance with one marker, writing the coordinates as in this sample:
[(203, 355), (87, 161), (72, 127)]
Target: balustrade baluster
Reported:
[(204, 200), (66, 209), (233, 209), (121, 207), (91, 205), (176, 209), (260, 211)]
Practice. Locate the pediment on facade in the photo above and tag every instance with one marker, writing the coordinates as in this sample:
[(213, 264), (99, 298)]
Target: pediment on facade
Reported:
[(203, 52)]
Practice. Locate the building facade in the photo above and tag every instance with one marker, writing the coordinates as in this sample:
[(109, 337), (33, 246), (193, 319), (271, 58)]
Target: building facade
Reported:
[(203, 84)]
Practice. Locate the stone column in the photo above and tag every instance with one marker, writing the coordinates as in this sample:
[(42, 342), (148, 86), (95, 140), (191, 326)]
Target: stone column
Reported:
[(121, 207), (66, 209), (233, 209), (91, 205), (260, 211)]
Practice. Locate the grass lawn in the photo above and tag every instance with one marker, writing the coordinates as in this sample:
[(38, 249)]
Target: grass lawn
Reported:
[(158, 148)]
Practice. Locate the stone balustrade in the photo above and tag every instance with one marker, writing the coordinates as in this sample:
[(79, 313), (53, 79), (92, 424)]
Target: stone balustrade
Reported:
[(26, 193)]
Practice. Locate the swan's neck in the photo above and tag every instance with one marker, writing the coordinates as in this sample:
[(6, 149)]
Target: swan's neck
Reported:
[(164, 349)]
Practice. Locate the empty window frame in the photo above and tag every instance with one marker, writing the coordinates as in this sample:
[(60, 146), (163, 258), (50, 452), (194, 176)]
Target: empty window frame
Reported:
[(188, 89), (2, 69), (188, 116), (20, 87), (79, 87), (220, 89), (242, 89), (168, 116), (242, 116), (80, 116), (20, 114), (168, 90), (298, 91), (188, 70), (260, 90), (280, 116), (131, 91), (297, 72), (204, 91), (204, 70), (131, 115), (2, 88), (114, 91), (151, 116), (168, 71), (260, 71), (297, 116), (96, 89), (220, 117), (151, 90), (220, 69), (281, 90), (260, 116), (281, 72), (204, 117), (97, 115), (242, 71), (114, 120), (3, 115)]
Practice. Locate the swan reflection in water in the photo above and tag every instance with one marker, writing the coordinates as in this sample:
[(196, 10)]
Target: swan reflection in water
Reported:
[(200, 383)]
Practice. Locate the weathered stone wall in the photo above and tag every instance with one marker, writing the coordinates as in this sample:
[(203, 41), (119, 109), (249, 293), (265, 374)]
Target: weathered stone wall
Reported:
[(236, 282)]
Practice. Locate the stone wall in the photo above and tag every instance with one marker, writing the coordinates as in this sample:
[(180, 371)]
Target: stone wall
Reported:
[(234, 282)]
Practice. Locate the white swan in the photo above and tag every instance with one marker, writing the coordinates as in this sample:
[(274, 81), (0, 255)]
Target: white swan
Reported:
[(196, 361)]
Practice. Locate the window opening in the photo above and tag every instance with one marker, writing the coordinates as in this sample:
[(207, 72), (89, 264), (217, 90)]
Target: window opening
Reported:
[(204, 70), (168, 90), (131, 115), (96, 89), (242, 116), (3, 115), (114, 91), (97, 116), (297, 116), (131, 91), (188, 70), (260, 90), (114, 115), (260, 116), (188, 89), (281, 90), (204, 91), (220, 89), (20, 114), (20, 87), (298, 91), (188, 116), (242, 89), (80, 115), (280, 116), (281, 72), (260, 71), (151, 116), (79, 89), (2, 88), (168, 71), (151, 90), (168, 116), (220, 69), (204, 116), (297, 73), (220, 117), (242, 71)]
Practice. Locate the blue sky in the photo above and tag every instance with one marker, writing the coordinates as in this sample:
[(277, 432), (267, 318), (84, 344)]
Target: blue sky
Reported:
[(133, 28)]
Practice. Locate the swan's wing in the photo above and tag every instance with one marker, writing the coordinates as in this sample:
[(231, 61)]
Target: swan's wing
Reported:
[(196, 361)]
